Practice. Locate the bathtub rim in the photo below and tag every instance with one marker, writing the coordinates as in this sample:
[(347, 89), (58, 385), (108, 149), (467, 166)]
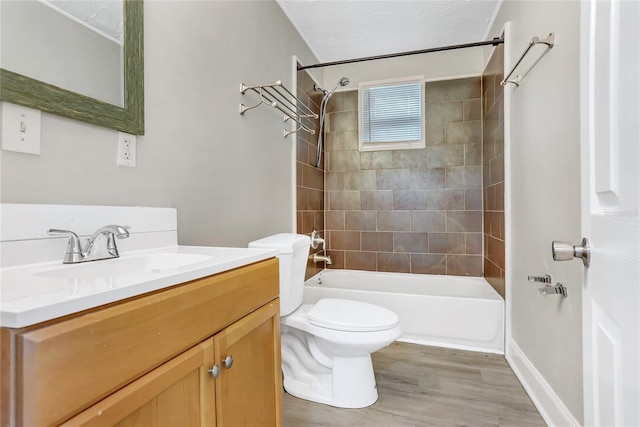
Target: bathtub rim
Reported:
[(495, 296)]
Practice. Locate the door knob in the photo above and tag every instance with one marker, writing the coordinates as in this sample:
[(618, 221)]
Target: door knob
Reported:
[(563, 251)]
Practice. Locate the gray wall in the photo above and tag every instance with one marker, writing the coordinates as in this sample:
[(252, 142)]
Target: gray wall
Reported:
[(543, 158), (229, 176)]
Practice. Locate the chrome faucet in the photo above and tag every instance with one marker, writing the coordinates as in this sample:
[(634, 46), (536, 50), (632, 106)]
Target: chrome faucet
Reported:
[(76, 254), (320, 258), (316, 240)]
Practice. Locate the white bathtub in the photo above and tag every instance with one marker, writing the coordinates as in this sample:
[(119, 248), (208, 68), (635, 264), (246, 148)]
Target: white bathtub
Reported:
[(446, 311)]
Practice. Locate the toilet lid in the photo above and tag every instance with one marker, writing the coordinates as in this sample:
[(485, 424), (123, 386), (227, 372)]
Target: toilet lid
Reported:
[(347, 315)]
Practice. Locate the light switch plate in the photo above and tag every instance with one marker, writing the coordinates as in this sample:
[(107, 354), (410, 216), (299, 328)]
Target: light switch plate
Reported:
[(20, 129)]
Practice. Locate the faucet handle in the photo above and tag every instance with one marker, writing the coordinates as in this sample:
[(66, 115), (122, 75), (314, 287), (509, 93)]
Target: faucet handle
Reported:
[(74, 248), (316, 240)]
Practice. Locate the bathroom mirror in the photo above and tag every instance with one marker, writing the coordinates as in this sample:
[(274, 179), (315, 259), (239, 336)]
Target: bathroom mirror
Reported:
[(110, 95)]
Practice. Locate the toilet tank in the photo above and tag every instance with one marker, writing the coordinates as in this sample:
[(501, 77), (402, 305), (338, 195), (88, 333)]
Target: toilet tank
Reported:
[(293, 252)]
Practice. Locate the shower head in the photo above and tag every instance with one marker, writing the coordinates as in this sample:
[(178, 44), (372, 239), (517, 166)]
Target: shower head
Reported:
[(342, 82)]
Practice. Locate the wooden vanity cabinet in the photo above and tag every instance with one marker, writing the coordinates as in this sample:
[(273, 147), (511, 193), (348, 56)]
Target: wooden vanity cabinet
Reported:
[(150, 361)]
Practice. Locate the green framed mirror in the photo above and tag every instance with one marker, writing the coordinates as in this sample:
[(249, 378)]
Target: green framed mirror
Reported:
[(129, 117)]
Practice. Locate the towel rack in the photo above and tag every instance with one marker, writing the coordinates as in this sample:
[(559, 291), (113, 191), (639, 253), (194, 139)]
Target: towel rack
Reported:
[(278, 96), (549, 41)]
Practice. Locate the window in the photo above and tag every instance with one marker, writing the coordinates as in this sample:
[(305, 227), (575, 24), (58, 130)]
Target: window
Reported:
[(391, 114)]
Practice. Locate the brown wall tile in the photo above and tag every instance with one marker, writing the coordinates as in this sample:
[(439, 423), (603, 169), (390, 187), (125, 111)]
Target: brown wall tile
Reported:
[(360, 261), (417, 211), (411, 242), (467, 88), (394, 220), (431, 221), (376, 200), (428, 264), (464, 132), (464, 221), (427, 177), (344, 200), (452, 199), (445, 155), (335, 220), (394, 262), (360, 220), (376, 159), (444, 112), (493, 173), (310, 194), (447, 243), (376, 241), (360, 180), (464, 265), (345, 240), (393, 179), (410, 199)]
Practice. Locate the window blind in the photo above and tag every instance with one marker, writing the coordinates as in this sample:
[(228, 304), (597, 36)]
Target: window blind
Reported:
[(392, 113)]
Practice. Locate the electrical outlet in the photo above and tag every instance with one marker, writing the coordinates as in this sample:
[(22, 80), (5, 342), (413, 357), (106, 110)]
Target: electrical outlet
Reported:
[(20, 129), (126, 150)]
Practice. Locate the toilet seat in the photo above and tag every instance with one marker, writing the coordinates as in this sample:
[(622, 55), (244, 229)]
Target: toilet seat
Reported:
[(351, 316)]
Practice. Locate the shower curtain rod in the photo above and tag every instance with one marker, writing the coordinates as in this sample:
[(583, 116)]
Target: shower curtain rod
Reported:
[(496, 41)]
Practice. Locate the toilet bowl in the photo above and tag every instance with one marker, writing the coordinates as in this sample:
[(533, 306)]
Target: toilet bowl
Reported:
[(327, 346), (332, 365)]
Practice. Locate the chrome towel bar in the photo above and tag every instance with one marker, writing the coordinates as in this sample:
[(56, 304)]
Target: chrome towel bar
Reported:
[(549, 41), (277, 96)]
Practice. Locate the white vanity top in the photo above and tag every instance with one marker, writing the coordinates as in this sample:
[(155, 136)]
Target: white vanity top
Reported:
[(35, 286), (34, 293)]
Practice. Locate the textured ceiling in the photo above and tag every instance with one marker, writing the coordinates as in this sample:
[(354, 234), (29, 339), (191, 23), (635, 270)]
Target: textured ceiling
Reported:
[(344, 29)]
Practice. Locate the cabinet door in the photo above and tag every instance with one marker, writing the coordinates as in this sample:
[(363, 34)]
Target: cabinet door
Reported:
[(249, 392), (180, 392)]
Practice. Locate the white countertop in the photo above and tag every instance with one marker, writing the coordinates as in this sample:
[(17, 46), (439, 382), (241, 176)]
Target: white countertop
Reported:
[(35, 293)]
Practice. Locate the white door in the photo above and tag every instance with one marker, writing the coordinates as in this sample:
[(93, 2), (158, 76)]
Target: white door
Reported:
[(610, 103)]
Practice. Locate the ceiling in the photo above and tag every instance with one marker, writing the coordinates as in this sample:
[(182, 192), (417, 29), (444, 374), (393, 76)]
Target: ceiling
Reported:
[(345, 29)]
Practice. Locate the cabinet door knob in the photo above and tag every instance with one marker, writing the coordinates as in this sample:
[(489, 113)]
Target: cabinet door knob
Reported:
[(215, 371), (228, 361)]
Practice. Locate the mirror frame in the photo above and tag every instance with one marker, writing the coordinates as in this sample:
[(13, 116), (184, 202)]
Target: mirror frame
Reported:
[(22, 90)]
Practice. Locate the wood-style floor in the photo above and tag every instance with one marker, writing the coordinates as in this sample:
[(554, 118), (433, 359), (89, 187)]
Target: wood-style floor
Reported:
[(429, 386)]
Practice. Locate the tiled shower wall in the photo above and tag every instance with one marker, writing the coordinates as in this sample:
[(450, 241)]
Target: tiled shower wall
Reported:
[(309, 178), (493, 171), (412, 211)]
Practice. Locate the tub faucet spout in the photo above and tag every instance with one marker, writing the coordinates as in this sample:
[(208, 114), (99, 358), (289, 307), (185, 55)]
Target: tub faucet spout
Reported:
[(321, 258)]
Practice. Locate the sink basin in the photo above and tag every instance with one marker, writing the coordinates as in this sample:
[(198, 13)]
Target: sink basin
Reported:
[(122, 267)]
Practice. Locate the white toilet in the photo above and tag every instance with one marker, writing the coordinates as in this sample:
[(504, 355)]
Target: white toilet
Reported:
[(327, 346)]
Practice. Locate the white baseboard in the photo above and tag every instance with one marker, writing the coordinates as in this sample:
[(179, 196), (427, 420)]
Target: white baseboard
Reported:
[(553, 410)]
